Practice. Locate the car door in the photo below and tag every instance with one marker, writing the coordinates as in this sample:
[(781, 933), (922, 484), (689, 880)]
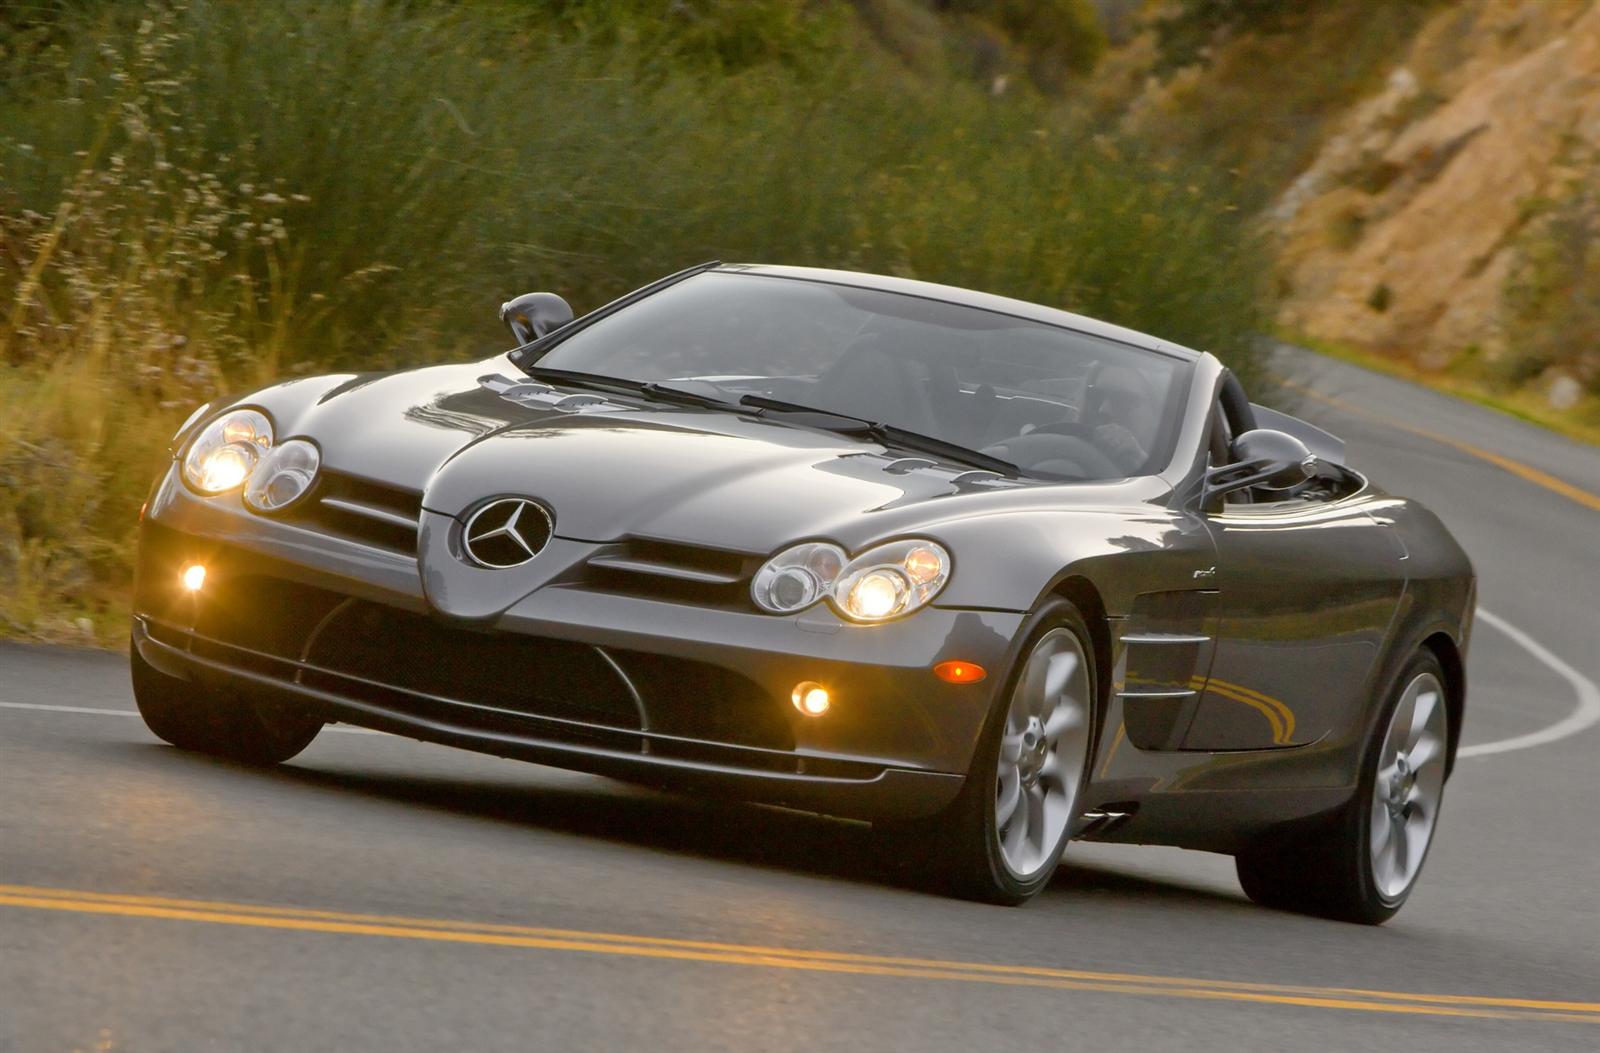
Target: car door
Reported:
[(1307, 588)]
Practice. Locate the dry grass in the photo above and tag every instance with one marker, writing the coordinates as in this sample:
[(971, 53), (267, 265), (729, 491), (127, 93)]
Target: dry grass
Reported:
[(203, 196)]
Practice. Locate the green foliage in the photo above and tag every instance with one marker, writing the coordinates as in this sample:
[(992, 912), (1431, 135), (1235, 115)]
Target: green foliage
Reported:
[(1263, 104), (1059, 36), (725, 36), (1188, 28), (203, 195), (1552, 300)]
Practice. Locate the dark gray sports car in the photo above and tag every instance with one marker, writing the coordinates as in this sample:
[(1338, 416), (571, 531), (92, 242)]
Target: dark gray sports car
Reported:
[(987, 573)]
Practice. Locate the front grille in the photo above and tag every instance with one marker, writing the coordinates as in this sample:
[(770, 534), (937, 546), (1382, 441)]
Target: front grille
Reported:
[(414, 664), (361, 510), (517, 674), (671, 571), (265, 614)]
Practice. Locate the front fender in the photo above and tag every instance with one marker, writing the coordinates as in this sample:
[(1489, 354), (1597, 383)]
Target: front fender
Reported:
[(1013, 563)]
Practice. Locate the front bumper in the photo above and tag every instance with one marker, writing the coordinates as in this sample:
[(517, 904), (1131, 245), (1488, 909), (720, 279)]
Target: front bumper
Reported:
[(572, 675)]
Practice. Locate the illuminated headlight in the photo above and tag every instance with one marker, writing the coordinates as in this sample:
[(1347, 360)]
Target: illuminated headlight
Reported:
[(891, 580), (881, 583), (226, 451), (283, 477)]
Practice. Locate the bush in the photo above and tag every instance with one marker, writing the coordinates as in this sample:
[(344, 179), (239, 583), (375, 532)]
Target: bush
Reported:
[(1552, 300), (203, 195)]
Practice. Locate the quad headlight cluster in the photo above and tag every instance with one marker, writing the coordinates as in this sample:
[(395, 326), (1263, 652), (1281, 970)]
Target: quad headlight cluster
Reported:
[(237, 449), (881, 583)]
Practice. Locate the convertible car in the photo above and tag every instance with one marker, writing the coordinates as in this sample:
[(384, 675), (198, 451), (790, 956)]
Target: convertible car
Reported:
[(989, 574)]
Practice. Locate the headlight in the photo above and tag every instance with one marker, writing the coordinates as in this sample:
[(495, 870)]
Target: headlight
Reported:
[(796, 578), (881, 583), (283, 477), (225, 452), (891, 580)]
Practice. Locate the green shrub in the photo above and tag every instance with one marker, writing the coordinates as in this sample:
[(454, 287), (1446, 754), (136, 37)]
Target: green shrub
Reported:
[(206, 195), (1551, 302)]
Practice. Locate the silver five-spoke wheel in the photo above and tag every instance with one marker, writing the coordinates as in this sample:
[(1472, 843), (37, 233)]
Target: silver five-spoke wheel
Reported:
[(1408, 787), (1043, 749)]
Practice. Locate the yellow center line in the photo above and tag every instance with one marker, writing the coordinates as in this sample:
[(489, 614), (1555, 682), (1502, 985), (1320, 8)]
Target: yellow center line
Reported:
[(1517, 468), (295, 919)]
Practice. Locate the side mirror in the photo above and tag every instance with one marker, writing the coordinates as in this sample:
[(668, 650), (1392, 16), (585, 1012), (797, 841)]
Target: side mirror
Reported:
[(1273, 459), (534, 314)]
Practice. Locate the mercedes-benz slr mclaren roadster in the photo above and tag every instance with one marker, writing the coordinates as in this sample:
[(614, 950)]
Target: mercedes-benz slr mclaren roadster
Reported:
[(991, 575)]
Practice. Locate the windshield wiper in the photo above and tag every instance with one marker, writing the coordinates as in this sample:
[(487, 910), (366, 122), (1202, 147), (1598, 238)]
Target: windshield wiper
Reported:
[(668, 393), (649, 389), (576, 379), (886, 434)]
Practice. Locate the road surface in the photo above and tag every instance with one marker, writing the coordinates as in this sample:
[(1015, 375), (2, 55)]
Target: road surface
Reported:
[(382, 894)]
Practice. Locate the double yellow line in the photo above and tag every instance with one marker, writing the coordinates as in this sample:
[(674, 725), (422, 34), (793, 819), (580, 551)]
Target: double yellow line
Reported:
[(519, 936), (1523, 471)]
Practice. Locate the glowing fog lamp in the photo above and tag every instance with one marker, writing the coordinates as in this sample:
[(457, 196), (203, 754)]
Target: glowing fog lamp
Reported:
[(193, 577), (811, 698)]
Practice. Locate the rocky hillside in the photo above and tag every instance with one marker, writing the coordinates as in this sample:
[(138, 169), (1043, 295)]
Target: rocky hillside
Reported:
[(1427, 172), (1410, 229)]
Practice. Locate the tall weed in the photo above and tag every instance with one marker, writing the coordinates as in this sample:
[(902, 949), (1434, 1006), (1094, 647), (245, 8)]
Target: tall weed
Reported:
[(201, 195)]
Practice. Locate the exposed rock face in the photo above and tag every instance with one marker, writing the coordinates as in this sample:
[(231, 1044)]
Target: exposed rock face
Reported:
[(1401, 235)]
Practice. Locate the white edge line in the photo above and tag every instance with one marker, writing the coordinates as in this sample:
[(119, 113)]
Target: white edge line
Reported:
[(1583, 717), (345, 729)]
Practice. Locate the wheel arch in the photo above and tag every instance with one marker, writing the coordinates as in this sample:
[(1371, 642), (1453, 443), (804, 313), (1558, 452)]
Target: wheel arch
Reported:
[(1082, 594), (1443, 646)]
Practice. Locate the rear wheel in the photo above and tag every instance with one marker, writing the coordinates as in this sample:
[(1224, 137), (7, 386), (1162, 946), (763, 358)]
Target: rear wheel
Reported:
[(1002, 838), (222, 724), (1364, 868)]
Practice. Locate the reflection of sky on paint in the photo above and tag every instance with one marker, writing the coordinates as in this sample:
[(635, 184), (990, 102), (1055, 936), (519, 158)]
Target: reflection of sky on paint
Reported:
[(434, 415)]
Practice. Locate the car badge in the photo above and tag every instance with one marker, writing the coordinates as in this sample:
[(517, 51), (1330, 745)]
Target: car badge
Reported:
[(506, 533)]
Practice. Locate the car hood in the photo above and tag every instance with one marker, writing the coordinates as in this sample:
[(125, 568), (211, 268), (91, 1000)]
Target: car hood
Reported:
[(609, 467)]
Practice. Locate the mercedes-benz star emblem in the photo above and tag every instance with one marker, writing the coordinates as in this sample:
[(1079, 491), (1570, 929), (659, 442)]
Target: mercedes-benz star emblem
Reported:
[(506, 533)]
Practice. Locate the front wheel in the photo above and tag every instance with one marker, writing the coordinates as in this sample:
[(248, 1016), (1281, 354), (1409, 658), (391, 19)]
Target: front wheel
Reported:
[(1001, 839), (1365, 867), (218, 723)]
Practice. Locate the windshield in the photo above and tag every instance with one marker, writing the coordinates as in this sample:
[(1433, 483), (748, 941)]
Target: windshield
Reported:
[(1057, 403)]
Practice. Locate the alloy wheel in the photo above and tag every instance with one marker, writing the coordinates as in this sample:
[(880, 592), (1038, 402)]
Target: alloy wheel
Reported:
[(1043, 750), (1408, 787)]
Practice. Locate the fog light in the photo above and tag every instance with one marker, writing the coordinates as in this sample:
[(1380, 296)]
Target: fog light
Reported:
[(193, 577), (960, 672), (810, 698)]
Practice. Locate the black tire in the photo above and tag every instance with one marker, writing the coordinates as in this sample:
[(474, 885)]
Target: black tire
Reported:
[(1329, 873), (959, 849), (222, 724)]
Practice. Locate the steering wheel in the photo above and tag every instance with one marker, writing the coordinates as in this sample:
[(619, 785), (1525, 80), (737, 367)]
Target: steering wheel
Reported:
[(1077, 429), (1060, 454)]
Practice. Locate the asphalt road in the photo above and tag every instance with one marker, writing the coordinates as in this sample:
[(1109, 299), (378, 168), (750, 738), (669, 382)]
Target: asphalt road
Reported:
[(154, 900)]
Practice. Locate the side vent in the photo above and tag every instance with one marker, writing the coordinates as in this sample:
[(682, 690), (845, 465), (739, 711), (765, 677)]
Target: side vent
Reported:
[(672, 571), (359, 510)]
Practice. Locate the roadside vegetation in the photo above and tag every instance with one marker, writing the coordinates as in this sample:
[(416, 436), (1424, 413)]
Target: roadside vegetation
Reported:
[(200, 196)]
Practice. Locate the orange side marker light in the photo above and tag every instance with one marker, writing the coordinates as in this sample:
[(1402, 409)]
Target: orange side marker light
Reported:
[(960, 672)]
